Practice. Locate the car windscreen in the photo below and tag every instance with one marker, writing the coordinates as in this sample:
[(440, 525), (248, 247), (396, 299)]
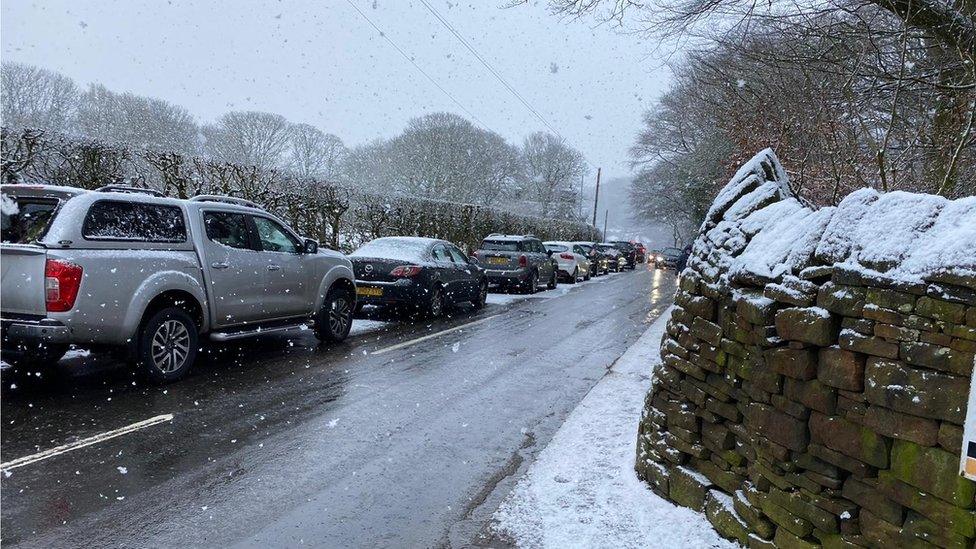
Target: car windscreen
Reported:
[(501, 245), (26, 219), (556, 248), (400, 249)]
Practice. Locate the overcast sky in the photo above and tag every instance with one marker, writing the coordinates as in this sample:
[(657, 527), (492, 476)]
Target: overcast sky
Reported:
[(322, 63)]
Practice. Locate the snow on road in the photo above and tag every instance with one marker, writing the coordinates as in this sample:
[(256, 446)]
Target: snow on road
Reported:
[(582, 490), (562, 289)]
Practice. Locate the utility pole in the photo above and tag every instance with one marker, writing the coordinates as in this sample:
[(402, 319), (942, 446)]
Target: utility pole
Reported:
[(596, 199), (606, 213), (581, 197)]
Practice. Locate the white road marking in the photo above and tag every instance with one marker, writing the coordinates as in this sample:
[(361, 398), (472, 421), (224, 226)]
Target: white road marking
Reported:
[(101, 437), (431, 336)]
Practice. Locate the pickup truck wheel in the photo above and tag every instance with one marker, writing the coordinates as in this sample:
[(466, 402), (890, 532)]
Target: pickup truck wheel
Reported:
[(167, 345), (335, 318)]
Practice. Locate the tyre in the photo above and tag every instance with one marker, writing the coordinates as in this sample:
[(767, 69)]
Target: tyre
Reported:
[(586, 276), (167, 345), (435, 305), (335, 318), (574, 276), (553, 280), (482, 297), (532, 284)]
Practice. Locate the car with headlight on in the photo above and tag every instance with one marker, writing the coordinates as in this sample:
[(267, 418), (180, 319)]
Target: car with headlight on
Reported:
[(570, 259), (616, 260), (423, 274), (599, 261), (668, 258)]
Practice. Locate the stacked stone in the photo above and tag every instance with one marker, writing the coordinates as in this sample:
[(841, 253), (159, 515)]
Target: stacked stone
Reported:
[(820, 407)]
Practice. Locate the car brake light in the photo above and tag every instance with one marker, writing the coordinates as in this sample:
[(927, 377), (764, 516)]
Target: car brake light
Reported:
[(523, 261), (406, 271), (566, 255), (62, 280)]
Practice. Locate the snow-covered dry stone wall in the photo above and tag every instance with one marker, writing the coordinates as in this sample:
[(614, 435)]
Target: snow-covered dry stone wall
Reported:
[(816, 369)]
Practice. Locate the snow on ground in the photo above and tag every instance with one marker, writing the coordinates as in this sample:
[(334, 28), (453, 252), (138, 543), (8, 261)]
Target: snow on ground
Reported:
[(562, 289), (582, 490)]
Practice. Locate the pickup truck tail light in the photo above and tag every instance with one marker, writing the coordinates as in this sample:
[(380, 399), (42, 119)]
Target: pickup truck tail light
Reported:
[(406, 271), (62, 279), (523, 261), (566, 255)]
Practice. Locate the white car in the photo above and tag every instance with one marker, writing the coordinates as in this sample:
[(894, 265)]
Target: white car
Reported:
[(571, 260)]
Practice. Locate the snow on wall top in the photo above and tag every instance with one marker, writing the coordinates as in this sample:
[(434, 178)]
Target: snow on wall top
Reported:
[(757, 228)]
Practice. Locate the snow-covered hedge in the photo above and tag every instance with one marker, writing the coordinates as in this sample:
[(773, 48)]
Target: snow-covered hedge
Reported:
[(816, 369), (340, 216)]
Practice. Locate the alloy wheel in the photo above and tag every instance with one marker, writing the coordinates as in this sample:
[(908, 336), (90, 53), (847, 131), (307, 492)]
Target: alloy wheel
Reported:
[(339, 315), (170, 346)]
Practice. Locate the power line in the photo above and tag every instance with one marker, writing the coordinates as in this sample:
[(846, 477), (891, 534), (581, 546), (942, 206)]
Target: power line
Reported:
[(416, 66), (492, 70)]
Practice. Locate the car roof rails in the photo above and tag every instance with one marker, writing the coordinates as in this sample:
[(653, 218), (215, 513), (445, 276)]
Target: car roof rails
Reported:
[(225, 199), (130, 190)]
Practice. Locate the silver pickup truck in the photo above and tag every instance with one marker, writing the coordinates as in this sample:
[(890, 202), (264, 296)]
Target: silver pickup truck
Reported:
[(130, 269)]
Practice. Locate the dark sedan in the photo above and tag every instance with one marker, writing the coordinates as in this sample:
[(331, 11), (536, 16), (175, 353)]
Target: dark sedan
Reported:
[(424, 274), (628, 250), (599, 261), (668, 258)]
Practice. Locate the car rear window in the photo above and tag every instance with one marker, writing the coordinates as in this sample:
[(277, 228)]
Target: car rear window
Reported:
[(501, 245), (556, 247), (133, 221), (672, 252), (26, 219), (586, 248), (400, 249)]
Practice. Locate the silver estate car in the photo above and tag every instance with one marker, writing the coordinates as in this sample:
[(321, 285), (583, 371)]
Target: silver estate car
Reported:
[(130, 269)]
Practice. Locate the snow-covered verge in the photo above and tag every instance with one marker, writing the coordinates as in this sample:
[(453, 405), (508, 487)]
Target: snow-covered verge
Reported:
[(582, 490)]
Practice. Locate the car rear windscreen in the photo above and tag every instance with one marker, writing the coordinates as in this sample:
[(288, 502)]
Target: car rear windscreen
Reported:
[(400, 249), (134, 221), (26, 219), (501, 245), (556, 247), (672, 252)]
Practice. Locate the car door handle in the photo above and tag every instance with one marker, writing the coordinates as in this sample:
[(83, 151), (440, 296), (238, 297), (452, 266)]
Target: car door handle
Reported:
[(274, 267), (219, 265)]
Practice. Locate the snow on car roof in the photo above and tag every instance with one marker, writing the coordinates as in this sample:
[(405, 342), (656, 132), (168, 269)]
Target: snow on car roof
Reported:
[(402, 248)]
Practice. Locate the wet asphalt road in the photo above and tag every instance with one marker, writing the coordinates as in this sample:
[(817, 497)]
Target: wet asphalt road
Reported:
[(280, 442)]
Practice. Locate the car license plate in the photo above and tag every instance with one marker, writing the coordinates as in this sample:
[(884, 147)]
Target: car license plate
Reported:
[(368, 291), (498, 260)]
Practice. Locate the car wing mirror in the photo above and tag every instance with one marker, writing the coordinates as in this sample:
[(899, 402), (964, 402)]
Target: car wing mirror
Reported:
[(473, 260), (310, 246)]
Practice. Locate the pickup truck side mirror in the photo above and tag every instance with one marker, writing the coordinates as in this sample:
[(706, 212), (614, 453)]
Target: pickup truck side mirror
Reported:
[(310, 246), (473, 260)]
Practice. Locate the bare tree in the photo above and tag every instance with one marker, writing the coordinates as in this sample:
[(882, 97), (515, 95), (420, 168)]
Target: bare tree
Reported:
[(36, 98), (552, 169), (142, 122), (248, 137), (314, 153)]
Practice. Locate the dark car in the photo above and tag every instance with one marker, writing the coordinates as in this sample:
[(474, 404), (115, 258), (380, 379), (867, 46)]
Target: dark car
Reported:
[(599, 261), (615, 257), (668, 258), (641, 252), (420, 273), (629, 251), (517, 260)]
